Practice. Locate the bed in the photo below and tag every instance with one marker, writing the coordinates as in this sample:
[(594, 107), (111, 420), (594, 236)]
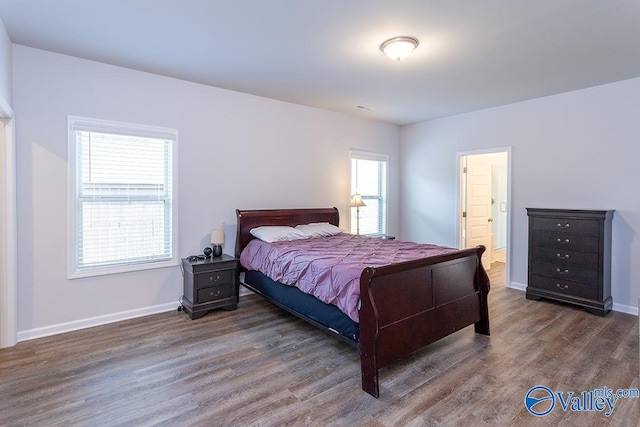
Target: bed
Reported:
[(402, 306)]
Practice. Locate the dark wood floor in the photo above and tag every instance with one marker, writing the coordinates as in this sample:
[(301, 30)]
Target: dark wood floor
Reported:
[(260, 366)]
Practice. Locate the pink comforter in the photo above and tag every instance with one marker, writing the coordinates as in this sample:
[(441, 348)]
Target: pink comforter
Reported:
[(329, 268)]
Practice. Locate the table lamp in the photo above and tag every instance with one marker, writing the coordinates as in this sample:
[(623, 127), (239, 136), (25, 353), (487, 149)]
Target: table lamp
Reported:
[(356, 202)]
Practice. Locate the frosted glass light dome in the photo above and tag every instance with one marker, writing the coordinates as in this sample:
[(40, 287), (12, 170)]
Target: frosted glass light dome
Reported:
[(399, 48)]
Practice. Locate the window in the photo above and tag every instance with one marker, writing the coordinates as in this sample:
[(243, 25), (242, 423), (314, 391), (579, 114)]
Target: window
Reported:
[(369, 179), (122, 205)]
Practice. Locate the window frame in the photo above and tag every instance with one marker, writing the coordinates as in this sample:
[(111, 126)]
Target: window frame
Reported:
[(383, 214), (76, 123)]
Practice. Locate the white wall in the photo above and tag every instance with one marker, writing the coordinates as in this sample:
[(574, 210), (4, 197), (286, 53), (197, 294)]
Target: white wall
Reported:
[(577, 150), (267, 154)]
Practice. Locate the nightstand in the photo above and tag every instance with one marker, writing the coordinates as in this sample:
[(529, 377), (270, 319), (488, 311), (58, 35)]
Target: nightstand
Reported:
[(210, 284)]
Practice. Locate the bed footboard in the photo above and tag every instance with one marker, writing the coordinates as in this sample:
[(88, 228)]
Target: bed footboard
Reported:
[(409, 305)]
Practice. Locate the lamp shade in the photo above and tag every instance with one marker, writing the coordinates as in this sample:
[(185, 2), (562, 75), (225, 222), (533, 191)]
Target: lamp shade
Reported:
[(356, 201), (217, 237)]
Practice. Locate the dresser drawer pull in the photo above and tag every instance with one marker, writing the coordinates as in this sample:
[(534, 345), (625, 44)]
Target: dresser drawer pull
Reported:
[(566, 256), (565, 271), (562, 226), (216, 293), (565, 287), (563, 242), (214, 279)]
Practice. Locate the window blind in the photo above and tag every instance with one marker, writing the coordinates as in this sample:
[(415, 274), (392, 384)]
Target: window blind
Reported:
[(369, 178), (124, 212)]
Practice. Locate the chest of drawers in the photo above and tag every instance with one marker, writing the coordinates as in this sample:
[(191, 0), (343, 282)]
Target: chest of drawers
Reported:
[(570, 257), (209, 284)]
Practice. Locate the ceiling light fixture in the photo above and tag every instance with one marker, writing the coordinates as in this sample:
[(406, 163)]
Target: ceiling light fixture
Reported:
[(399, 48)]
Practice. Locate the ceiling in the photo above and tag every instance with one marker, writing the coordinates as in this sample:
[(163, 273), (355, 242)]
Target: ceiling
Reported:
[(325, 53)]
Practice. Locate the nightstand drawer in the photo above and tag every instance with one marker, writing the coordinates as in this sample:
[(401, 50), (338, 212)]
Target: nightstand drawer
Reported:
[(213, 278), (215, 293), (565, 241), (564, 287), (565, 272), (566, 225)]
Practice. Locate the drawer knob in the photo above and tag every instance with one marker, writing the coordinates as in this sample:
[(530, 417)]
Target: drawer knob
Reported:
[(562, 226), (217, 293), (563, 242), (214, 279), (565, 271), (566, 256), (559, 286)]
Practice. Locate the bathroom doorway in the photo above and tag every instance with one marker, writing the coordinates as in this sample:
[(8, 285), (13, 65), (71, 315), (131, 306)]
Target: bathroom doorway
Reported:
[(484, 206)]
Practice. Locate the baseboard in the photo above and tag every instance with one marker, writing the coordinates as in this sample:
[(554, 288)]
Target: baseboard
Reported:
[(162, 308), (629, 309), (518, 286), (93, 321)]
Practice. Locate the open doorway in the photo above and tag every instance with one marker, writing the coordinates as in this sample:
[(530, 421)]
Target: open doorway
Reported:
[(484, 206)]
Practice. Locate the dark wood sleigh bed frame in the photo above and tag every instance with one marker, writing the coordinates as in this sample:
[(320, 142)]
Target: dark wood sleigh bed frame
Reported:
[(404, 306)]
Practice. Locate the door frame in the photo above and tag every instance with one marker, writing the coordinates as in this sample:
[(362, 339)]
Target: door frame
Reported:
[(9, 245), (462, 193)]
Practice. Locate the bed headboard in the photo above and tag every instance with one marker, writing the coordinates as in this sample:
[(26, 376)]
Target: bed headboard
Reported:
[(248, 219)]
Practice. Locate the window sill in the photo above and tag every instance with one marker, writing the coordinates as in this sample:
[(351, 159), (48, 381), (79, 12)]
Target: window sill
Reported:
[(123, 269)]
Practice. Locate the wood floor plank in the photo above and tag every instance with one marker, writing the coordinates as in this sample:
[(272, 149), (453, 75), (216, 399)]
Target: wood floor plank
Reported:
[(258, 365)]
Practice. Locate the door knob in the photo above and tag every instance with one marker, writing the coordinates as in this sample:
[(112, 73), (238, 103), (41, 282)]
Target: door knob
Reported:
[(490, 220)]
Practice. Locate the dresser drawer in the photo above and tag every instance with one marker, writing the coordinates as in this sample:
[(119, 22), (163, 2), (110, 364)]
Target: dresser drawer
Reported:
[(566, 241), (566, 225), (564, 287), (562, 257), (215, 293), (215, 277), (566, 272)]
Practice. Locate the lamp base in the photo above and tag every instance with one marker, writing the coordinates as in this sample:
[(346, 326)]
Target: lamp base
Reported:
[(217, 250)]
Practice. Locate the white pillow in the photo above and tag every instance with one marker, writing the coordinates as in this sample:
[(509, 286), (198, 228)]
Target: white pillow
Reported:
[(277, 233), (319, 229)]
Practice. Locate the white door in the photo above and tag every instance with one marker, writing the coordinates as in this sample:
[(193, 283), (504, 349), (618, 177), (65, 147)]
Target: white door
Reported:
[(478, 205)]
